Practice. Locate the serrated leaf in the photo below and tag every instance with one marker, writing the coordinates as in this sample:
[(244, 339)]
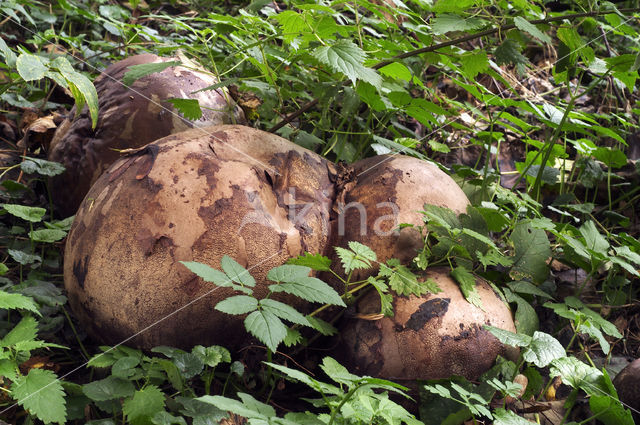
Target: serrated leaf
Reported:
[(325, 328), (41, 166), (25, 330), (237, 304), (292, 23), (208, 274), (404, 282), (213, 355), (507, 417), (526, 26), (267, 327), (508, 53), (188, 364), (474, 63), (144, 405), (316, 262), (543, 350), (294, 337), (284, 311), (467, 282), (532, 250), (236, 272), (448, 22), (234, 406), (396, 70), (47, 235), (288, 273), (110, 388), (311, 289), (136, 72), (189, 108), (346, 57), (31, 214), (509, 338), (40, 392), (337, 372), (30, 67), (9, 301)]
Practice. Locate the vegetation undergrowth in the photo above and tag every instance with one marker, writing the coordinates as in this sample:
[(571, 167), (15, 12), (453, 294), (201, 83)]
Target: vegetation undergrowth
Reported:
[(531, 106)]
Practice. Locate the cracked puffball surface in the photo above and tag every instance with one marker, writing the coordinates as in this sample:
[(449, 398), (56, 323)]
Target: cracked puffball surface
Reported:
[(130, 117), (430, 337), (191, 197)]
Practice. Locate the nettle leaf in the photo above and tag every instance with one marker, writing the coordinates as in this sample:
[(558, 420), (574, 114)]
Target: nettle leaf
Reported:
[(40, 392), (41, 166), (30, 67), (284, 311), (136, 72), (31, 214), (508, 53), (346, 57), (267, 327), (396, 70), (532, 250), (25, 330), (236, 272), (474, 63), (543, 350), (110, 388), (316, 262), (237, 304), (467, 282), (526, 26), (47, 235), (311, 289), (144, 405), (189, 108), (9, 301), (447, 22), (292, 23)]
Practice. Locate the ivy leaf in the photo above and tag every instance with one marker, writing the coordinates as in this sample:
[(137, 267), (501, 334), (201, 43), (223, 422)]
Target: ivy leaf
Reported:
[(40, 392), (31, 214), (543, 350), (267, 327), (237, 304), (41, 166), (10, 301), (30, 67), (467, 282), (110, 388), (344, 56), (136, 72), (189, 108), (474, 63), (144, 404), (316, 262), (532, 251), (284, 311), (526, 26), (311, 289)]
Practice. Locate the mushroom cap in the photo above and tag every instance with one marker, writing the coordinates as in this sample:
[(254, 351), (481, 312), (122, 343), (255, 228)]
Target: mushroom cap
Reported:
[(130, 117), (391, 190), (429, 337), (191, 196)]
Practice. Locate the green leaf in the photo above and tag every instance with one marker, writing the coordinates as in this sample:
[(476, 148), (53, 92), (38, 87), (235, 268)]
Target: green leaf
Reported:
[(239, 408), (337, 372), (41, 166), (47, 235), (236, 272), (396, 70), (325, 328), (30, 67), (86, 92), (606, 405), (212, 356), (509, 338), (9, 301), (189, 108), (524, 25), (532, 250), (25, 330), (508, 53), (40, 392), (24, 258), (31, 214), (237, 304), (543, 350), (404, 282), (208, 274), (523, 287), (467, 282), (474, 63), (526, 318), (3, 270), (9, 56), (136, 72), (284, 311), (577, 374), (614, 158), (292, 23), (344, 56), (288, 273), (144, 405), (110, 388), (267, 327), (507, 417), (311, 289), (188, 364), (164, 418), (447, 22), (316, 262)]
